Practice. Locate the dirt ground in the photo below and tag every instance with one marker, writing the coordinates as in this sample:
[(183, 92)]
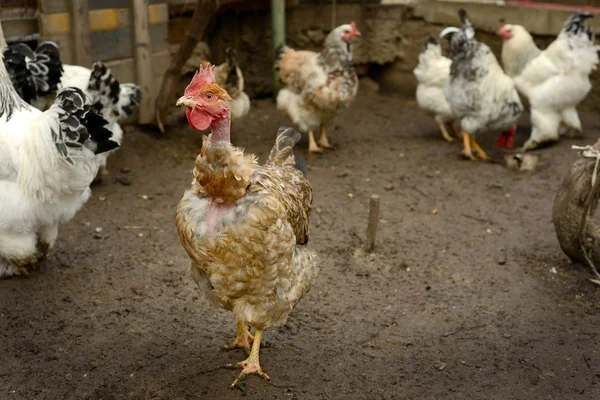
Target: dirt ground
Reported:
[(474, 301)]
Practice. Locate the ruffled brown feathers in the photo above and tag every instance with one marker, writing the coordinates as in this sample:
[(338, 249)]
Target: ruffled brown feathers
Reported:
[(223, 171)]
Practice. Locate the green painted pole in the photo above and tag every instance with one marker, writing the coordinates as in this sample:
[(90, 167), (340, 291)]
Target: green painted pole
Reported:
[(278, 28)]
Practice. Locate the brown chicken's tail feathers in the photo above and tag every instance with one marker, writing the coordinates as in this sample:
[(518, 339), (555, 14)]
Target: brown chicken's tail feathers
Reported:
[(282, 153)]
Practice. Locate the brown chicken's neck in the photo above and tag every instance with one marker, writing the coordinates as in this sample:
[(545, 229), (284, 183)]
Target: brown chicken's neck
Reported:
[(219, 130)]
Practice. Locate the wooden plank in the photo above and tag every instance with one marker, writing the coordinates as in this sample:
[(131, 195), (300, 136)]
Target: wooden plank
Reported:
[(117, 44), (82, 47), (143, 64), (19, 27), (52, 6), (102, 20), (124, 69), (60, 6)]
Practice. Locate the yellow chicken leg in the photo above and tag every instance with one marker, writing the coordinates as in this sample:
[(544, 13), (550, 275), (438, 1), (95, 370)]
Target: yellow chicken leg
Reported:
[(445, 134), (480, 153), (323, 139), (242, 339), (312, 144), (251, 364), (456, 131), (467, 147)]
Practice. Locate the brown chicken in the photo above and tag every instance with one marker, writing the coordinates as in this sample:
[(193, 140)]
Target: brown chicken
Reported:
[(318, 85), (245, 226)]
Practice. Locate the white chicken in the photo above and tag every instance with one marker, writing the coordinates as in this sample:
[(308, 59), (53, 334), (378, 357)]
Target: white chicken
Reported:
[(480, 94), (518, 48), (557, 80), (47, 163), (433, 74), (113, 100)]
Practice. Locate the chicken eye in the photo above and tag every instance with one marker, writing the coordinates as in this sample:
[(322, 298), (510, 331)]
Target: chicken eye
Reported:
[(209, 97)]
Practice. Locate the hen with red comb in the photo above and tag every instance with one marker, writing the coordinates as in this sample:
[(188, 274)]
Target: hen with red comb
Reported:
[(245, 226)]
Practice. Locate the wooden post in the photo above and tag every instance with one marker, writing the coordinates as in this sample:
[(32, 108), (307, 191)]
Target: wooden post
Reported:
[(80, 32), (143, 61), (373, 220), (278, 29), (205, 10), (333, 14)]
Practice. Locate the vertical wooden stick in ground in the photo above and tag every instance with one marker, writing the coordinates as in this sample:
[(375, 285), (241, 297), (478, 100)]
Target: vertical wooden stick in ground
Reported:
[(205, 10), (373, 220), (143, 63)]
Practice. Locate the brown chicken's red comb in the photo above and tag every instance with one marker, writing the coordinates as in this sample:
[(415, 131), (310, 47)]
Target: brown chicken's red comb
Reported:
[(204, 76)]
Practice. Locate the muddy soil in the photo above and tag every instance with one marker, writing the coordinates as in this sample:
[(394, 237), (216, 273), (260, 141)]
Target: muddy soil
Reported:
[(467, 296)]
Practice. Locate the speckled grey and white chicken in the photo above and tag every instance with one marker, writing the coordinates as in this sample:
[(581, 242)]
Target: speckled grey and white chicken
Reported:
[(318, 85), (483, 98)]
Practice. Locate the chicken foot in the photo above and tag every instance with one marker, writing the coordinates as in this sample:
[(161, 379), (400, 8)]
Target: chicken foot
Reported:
[(468, 143), (323, 139), (467, 147), (445, 134), (480, 152), (456, 131), (312, 144), (242, 339), (251, 364)]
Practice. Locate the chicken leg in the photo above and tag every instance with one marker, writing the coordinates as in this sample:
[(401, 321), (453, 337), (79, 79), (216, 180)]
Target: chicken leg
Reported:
[(242, 340), (323, 138), (312, 144), (251, 364), (480, 152), (456, 131), (467, 147), (445, 134)]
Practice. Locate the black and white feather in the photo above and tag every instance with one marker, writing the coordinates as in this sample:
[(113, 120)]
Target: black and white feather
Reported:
[(33, 73), (79, 125)]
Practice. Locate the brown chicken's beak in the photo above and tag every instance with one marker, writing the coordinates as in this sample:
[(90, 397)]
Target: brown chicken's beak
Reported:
[(186, 101)]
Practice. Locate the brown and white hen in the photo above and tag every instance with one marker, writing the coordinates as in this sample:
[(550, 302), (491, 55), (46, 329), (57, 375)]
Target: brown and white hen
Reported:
[(245, 226)]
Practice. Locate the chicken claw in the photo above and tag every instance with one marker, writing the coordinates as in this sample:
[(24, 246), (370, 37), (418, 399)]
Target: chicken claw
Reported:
[(467, 147), (242, 340), (445, 134), (312, 144), (323, 139), (480, 152), (251, 364), (456, 131)]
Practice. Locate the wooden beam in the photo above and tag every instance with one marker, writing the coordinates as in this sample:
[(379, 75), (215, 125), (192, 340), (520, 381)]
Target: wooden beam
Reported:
[(60, 6), (82, 45), (143, 62), (106, 19), (19, 27), (124, 69)]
